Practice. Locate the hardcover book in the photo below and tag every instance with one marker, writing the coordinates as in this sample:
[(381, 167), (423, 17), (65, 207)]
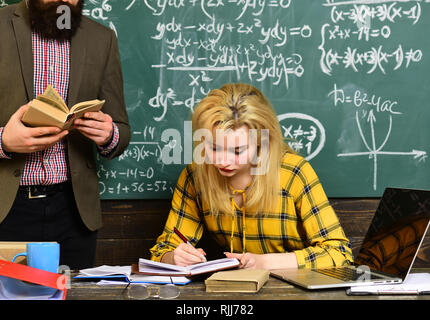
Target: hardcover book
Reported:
[(49, 109)]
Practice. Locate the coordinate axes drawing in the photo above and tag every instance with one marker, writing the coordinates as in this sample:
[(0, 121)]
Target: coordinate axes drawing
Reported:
[(373, 151)]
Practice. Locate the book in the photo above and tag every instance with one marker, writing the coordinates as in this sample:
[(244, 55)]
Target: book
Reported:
[(21, 282), (415, 283), (49, 109), (125, 274), (150, 267), (242, 280), (8, 249)]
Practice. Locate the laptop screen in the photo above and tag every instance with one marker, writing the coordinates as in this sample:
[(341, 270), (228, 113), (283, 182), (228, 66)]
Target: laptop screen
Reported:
[(396, 231)]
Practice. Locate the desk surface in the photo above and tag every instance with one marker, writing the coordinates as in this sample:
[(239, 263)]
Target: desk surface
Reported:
[(274, 289)]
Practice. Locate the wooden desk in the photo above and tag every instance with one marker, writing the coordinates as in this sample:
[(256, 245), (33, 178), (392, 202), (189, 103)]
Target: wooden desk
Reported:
[(274, 289)]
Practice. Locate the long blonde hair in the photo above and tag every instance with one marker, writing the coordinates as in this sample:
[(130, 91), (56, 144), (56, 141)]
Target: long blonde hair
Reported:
[(231, 107)]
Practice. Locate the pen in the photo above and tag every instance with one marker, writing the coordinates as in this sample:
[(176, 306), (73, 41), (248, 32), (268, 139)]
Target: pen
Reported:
[(180, 235)]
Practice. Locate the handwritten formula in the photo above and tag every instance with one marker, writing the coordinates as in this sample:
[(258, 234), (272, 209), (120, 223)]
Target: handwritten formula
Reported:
[(347, 79)]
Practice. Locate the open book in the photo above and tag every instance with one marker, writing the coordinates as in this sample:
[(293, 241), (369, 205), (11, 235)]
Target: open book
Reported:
[(49, 109), (150, 267), (125, 274)]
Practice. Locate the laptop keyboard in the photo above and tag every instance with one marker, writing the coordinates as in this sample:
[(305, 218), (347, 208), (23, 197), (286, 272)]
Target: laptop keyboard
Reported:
[(347, 274)]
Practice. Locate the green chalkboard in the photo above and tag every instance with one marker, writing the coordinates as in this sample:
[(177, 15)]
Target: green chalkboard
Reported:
[(348, 80)]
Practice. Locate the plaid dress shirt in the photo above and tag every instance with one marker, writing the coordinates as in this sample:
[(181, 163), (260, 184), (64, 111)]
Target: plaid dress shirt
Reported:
[(51, 65), (304, 222)]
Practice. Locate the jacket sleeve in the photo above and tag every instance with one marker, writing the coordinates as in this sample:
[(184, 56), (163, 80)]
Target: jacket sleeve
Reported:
[(112, 91)]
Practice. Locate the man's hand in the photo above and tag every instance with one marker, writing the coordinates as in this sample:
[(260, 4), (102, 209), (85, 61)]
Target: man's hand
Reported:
[(96, 126), (18, 138)]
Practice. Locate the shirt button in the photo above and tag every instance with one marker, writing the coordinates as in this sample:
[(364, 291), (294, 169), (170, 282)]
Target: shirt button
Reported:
[(51, 68)]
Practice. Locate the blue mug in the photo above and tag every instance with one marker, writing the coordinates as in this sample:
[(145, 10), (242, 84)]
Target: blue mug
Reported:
[(42, 255)]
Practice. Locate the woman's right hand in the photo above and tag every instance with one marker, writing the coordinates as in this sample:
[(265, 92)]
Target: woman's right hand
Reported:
[(184, 255)]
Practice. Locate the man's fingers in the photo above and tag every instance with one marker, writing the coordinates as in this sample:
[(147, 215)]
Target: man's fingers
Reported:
[(20, 112), (88, 123), (45, 140), (90, 131), (44, 131), (98, 116)]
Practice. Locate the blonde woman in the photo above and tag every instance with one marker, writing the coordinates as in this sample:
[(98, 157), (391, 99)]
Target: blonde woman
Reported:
[(262, 203)]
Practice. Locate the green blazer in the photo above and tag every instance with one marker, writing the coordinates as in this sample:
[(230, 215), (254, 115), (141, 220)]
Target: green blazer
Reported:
[(95, 72)]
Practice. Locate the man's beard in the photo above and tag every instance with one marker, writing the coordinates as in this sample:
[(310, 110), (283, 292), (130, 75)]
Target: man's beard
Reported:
[(44, 17)]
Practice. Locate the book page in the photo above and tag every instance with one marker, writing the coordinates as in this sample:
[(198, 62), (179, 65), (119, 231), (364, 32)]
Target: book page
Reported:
[(105, 271), (160, 267), (52, 95), (153, 267), (52, 103), (213, 265), (87, 104)]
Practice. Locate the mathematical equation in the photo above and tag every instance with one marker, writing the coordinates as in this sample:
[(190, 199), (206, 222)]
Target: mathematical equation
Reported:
[(193, 46), (303, 133), (355, 23), (253, 61), (359, 99), (254, 7), (361, 12), (109, 188)]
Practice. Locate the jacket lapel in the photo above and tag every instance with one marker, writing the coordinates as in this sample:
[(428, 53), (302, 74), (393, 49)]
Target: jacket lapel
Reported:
[(22, 29), (77, 48)]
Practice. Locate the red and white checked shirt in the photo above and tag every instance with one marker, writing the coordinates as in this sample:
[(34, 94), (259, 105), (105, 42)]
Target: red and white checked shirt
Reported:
[(51, 61)]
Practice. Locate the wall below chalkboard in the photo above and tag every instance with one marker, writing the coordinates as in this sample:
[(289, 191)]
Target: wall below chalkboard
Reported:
[(132, 226)]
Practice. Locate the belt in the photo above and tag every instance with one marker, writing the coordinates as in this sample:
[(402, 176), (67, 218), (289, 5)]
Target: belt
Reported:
[(43, 191)]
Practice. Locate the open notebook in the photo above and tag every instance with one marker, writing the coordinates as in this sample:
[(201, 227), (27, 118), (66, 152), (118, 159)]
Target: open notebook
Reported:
[(117, 274), (150, 267)]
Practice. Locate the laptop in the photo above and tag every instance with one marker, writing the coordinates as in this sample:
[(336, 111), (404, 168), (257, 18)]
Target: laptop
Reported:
[(388, 250)]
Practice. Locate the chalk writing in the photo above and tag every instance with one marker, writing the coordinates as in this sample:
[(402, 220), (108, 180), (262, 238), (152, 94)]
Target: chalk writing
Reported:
[(303, 133), (321, 63), (196, 43)]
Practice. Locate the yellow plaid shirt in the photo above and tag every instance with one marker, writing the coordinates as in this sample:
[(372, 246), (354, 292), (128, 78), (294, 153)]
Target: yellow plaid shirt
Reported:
[(304, 222)]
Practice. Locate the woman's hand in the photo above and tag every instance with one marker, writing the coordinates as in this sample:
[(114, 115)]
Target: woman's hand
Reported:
[(184, 255), (266, 261), (249, 260)]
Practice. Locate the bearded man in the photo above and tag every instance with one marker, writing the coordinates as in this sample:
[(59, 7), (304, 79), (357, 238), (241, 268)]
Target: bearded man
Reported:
[(48, 179)]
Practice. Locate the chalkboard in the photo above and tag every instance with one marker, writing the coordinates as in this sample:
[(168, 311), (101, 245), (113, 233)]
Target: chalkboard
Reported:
[(348, 80)]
